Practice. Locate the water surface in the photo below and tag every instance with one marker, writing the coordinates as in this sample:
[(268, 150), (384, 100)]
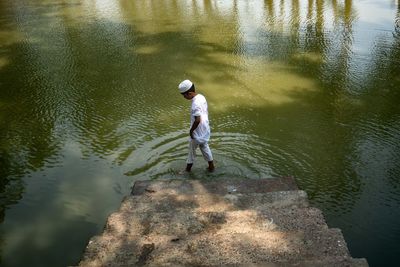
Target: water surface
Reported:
[(89, 104)]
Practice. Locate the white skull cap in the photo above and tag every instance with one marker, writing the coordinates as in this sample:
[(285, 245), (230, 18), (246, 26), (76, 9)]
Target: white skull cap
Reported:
[(184, 86)]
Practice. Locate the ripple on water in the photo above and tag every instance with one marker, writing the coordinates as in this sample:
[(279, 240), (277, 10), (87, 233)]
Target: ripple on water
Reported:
[(235, 155)]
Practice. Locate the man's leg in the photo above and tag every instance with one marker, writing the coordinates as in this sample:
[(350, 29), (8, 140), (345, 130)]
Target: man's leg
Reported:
[(211, 167), (206, 151), (191, 155), (189, 167)]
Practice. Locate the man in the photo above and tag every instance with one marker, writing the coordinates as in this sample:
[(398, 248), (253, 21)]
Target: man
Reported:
[(199, 125)]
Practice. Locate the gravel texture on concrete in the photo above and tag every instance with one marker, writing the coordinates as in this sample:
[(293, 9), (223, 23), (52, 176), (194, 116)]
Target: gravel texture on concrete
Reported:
[(264, 222)]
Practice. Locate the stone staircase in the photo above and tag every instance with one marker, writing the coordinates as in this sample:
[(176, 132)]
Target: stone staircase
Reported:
[(266, 222)]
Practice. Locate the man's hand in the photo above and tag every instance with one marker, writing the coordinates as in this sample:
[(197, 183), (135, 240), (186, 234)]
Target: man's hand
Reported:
[(194, 126)]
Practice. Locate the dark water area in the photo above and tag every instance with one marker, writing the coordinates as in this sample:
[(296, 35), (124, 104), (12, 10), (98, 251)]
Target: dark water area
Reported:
[(89, 104)]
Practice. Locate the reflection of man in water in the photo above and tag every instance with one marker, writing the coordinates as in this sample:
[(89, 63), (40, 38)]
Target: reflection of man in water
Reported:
[(199, 126)]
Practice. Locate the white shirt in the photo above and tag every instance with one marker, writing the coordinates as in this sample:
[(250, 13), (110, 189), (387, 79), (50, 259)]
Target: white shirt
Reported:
[(199, 108)]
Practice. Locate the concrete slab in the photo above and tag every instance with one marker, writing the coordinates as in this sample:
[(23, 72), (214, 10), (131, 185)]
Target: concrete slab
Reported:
[(218, 223)]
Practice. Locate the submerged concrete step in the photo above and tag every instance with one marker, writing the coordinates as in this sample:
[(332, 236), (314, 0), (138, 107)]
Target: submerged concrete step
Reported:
[(218, 186)]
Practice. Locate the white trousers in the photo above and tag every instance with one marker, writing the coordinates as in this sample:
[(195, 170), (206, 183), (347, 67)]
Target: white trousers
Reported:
[(204, 148)]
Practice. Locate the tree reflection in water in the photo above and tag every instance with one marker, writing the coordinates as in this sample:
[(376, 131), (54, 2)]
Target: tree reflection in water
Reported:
[(313, 81)]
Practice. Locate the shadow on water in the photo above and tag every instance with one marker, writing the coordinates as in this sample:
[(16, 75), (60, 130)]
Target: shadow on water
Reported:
[(114, 100)]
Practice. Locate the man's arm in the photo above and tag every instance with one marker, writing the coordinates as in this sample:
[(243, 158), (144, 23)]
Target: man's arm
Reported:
[(194, 126)]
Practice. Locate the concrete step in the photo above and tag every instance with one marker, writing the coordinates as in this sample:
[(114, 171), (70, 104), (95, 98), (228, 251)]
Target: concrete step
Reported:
[(167, 201), (241, 248), (282, 210), (264, 222), (186, 222), (291, 229), (262, 201), (322, 262), (219, 248)]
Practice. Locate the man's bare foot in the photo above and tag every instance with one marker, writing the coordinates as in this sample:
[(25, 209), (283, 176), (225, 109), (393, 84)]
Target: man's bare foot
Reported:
[(189, 167), (211, 167)]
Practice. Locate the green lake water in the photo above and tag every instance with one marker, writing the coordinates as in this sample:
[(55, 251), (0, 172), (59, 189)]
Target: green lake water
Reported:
[(89, 104)]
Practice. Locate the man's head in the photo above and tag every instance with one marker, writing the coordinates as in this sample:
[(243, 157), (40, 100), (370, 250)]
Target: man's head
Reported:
[(187, 89)]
